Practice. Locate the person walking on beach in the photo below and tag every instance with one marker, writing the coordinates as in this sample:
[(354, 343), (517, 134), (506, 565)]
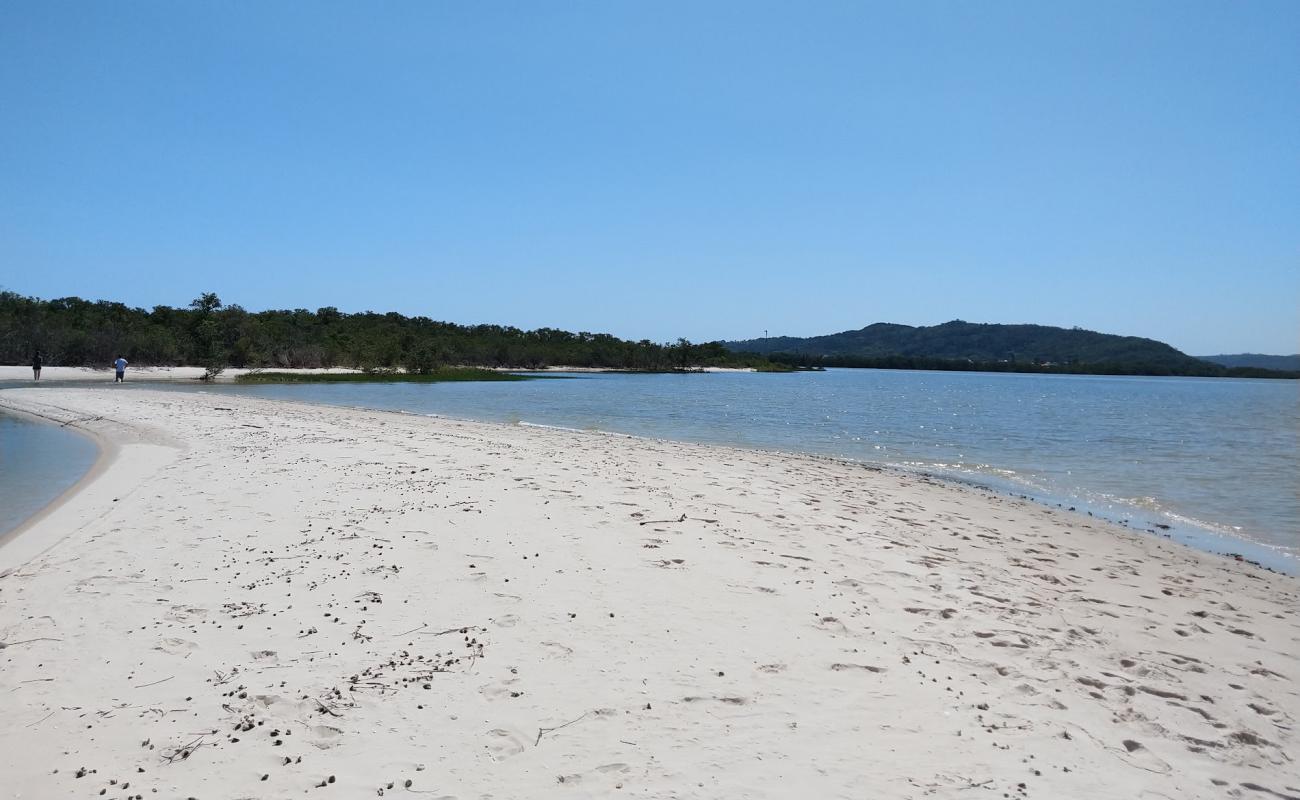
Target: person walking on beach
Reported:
[(120, 366), (36, 366)]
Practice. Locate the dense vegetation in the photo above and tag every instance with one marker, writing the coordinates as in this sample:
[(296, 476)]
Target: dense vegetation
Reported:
[(440, 375), (75, 332), (961, 345)]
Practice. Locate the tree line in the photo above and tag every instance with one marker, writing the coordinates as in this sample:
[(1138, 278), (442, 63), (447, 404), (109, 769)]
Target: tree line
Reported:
[(71, 331)]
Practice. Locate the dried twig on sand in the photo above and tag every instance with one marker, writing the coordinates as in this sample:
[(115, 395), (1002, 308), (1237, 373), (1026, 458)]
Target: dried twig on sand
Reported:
[(223, 677), (682, 518), (461, 629), (184, 751), (39, 721), (3, 645), (543, 731)]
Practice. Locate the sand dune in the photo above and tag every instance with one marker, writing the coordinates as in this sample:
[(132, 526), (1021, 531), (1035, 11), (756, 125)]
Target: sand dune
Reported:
[(258, 599)]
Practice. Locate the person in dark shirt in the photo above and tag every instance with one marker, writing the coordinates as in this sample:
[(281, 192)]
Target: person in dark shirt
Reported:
[(36, 366)]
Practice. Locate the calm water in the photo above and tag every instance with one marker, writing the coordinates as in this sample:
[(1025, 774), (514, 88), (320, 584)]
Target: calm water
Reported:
[(1216, 460), (38, 461)]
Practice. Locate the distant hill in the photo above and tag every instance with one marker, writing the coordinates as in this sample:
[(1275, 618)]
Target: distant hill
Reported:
[(1257, 360), (960, 345), (977, 342)]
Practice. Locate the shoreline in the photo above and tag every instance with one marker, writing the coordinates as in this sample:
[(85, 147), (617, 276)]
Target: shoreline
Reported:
[(105, 453), (1195, 535), (1287, 563), (72, 375), (1260, 555), (71, 507), (1267, 557), (23, 374), (621, 612), (76, 375)]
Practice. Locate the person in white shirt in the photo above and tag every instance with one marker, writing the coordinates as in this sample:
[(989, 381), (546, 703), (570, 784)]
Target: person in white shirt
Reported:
[(120, 366)]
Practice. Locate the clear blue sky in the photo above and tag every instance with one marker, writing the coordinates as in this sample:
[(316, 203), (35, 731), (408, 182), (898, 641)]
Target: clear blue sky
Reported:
[(661, 169)]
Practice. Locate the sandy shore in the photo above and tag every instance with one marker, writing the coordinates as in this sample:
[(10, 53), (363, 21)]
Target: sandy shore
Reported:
[(229, 375), (263, 600), (143, 374)]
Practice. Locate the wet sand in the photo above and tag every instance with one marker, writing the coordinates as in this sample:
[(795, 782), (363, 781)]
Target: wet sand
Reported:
[(266, 599)]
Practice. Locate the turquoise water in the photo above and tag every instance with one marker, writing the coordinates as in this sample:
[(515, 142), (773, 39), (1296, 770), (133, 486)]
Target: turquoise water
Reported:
[(38, 461), (1214, 460)]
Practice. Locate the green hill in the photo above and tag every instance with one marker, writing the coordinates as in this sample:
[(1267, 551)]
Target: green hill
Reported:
[(967, 345), (977, 342), (1257, 360)]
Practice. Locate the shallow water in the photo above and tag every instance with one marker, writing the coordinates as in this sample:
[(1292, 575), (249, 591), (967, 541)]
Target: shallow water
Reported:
[(1215, 460), (38, 461)]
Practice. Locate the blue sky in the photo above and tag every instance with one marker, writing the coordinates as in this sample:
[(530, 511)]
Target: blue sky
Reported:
[(661, 169)]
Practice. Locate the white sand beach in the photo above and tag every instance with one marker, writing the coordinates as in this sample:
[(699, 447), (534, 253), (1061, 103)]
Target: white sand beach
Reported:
[(259, 599), (144, 373), (232, 374)]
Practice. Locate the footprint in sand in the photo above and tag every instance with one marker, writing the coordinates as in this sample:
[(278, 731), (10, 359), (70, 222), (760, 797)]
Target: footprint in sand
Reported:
[(503, 744), (500, 689), (325, 736), (557, 650), (184, 613), (175, 646), (1139, 755)]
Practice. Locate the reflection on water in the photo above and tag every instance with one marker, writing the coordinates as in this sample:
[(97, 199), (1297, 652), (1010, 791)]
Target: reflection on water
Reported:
[(38, 461)]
